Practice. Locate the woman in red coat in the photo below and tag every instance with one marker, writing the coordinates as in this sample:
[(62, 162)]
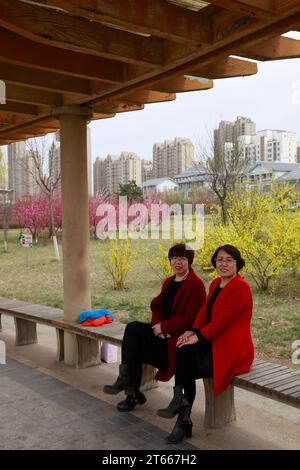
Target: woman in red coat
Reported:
[(173, 312), (219, 345)]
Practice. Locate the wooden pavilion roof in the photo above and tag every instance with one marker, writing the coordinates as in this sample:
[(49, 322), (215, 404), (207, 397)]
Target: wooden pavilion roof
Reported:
[(118, 55)]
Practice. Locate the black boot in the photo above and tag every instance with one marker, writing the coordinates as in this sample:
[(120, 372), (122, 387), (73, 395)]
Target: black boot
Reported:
[(174, 406), (183, 426), (132, 399), (121, 382)]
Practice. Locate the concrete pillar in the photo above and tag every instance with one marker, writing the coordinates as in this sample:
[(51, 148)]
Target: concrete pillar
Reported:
[(75, 225)]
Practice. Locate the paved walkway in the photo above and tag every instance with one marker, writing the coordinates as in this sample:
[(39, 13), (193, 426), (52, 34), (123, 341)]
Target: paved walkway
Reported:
[(38, 411)]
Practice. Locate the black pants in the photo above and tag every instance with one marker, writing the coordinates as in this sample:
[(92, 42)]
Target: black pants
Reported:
[(192, 363), (141, 346)]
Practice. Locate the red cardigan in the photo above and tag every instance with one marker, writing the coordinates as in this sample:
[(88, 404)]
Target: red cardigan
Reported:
[(188, 300), (232, 345)]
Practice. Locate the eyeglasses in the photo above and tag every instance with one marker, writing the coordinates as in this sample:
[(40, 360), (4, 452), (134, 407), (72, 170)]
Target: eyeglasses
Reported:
[(178, 258), (225, 260)]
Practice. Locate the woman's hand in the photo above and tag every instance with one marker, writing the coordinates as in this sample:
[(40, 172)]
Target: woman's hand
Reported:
[(157, 329), (189, 337)]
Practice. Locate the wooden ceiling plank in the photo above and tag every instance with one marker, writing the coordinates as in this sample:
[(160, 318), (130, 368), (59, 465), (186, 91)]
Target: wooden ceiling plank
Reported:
[(21, 94), (42, 80), (114, 107), (181, 85), (19, 108), (227, 68), (148, 96), (158, 18), (261, 9), (79, 34), (23, 52), (278, 48)]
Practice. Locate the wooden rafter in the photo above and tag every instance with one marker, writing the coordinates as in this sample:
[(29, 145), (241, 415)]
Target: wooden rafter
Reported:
[(278, 48), (261, 9), (19, 108), (79, 35), (21, 94), (42, 80), (227, 68), (181, 85), (26, 53), (158, 18), (148, 96), (116, 107)]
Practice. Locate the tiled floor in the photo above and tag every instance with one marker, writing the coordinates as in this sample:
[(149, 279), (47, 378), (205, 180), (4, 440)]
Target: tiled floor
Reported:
[(40, 412)]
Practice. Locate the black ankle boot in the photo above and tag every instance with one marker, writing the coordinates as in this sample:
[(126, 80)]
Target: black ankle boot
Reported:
[(183, 427), (121, 382), (174, 406), (131, 401)]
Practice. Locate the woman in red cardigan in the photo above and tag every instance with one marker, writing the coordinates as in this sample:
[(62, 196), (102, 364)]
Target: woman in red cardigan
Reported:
[(219, 345), (173, 312)]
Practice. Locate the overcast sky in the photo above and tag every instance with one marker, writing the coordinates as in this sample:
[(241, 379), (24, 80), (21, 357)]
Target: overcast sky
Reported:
[(271, 99)]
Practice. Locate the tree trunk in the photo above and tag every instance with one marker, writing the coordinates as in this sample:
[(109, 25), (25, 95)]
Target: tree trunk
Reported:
[(51, 229)]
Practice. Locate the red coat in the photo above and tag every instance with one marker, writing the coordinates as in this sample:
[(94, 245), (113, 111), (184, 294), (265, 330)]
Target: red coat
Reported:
[(188, 300), (232, 345)]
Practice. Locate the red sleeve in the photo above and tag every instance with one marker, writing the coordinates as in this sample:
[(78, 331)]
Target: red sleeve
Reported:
[(232, 308), (157, 307), (184, 321)]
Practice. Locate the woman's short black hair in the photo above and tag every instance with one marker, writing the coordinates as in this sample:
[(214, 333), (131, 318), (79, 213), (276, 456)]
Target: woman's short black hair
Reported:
[(181, 249), (232, 251)]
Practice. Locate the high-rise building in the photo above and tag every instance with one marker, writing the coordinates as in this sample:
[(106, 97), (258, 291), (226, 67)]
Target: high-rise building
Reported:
[(172, 157), (54, 161), (147, 170), (114, 170), (272, 146), (22, 171), (298, 152), (99, 174), (230, 132), (266, 145)]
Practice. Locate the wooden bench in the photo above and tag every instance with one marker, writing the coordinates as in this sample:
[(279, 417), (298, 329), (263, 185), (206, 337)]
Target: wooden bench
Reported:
[(27, 316), (271, 380), (265, 378)]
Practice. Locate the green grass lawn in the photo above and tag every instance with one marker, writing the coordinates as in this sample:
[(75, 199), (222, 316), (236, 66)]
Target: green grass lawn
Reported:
[(32, 275)]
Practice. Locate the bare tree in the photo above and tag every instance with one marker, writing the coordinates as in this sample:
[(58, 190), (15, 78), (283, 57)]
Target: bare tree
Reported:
[(41, 166), (224, 162)]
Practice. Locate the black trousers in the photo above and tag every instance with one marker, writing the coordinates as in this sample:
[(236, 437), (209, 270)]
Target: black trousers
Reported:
[(192, 362), (141, 346)]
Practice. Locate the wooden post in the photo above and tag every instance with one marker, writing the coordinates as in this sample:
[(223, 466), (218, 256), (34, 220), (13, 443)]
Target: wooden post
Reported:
[(75, 231), (220, 410)]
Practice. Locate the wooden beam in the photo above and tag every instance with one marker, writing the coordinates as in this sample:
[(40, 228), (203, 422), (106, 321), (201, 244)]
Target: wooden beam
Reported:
[(261, 9), (19, 108), (21, 94), (157, 18), (79, 34), (181, 85), (102, 116), (116, 107), (278, 48), (147, 96), (23, 52), (42, 80), (227, 68)]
